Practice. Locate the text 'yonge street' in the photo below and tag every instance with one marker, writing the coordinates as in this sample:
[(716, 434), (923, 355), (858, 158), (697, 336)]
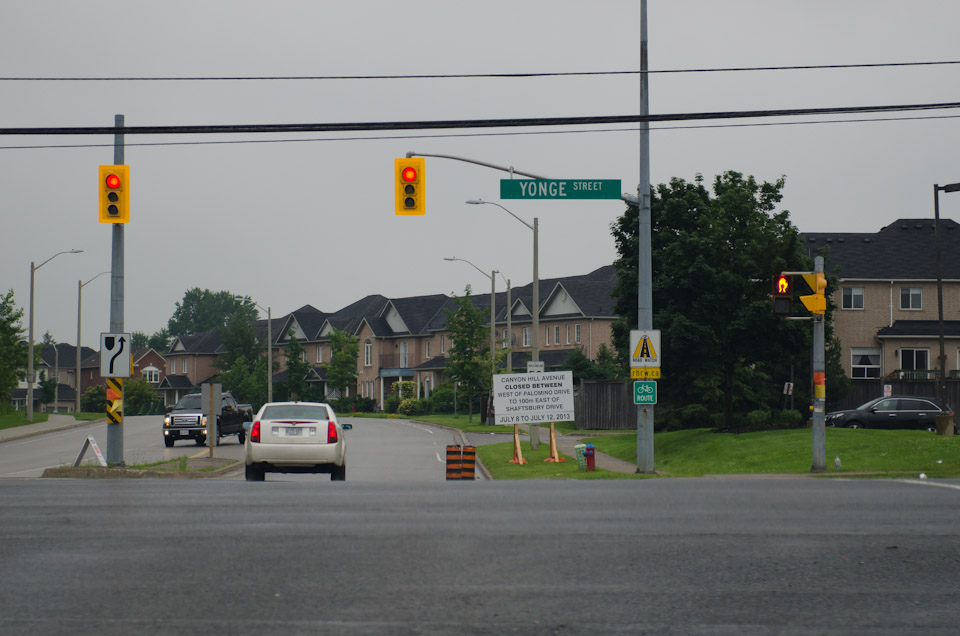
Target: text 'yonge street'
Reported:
[(530, 398)]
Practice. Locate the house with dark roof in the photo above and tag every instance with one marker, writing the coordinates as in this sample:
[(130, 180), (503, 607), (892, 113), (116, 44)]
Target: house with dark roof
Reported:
[(887, 300), (407, 338)]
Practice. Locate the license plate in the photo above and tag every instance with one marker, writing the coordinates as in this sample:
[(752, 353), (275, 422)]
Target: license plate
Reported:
[(184, 433), (293, 432)]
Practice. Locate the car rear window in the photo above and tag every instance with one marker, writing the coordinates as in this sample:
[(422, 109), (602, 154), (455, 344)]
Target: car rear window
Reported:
[(917, 405), (296, 412)]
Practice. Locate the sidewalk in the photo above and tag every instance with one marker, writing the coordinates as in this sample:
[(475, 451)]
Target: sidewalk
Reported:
[(55, 422)]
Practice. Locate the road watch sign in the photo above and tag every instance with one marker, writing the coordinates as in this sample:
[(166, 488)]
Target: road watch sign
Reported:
[(644, 348)]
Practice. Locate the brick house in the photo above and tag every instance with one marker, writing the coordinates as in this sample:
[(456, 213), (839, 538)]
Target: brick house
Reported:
[(887, 317)]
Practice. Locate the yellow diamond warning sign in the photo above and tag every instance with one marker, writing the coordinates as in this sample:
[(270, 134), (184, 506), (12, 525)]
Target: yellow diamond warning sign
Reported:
[(644, 348)]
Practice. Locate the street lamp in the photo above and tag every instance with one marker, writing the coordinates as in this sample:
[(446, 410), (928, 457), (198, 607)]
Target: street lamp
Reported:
[(535, 344), (269, 346), (80, 286), (509, 344), (950, 187), (33, 269)]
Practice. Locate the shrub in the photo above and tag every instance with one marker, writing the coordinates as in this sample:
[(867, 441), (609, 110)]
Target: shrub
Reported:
[(391, 404), (405, 389), (791, 419), (94, 399), (411, 406), (759, 420), (441, 398)]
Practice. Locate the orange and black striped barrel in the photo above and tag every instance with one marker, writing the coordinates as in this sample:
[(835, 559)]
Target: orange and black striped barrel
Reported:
[(453, 461), (469, 462)]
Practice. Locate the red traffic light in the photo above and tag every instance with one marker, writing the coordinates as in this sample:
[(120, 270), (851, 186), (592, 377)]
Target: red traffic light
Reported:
[(113, 181), (409, 174)]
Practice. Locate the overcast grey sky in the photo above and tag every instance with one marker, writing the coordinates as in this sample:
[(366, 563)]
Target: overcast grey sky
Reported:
[(312, 221)]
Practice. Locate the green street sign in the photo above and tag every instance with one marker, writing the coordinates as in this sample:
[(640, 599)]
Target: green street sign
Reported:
[(645, 392), (560, 189)]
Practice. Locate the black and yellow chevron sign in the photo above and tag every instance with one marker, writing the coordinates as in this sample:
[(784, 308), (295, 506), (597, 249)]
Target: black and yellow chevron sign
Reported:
[(115, 400)]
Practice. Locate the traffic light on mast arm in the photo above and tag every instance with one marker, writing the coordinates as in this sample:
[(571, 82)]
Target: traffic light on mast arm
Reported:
[(816, 302), (408, 181), (114, 194), (782, 295)]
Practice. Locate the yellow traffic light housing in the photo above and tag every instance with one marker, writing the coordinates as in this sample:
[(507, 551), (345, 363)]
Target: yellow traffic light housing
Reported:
[(114, 194), (816, 302), (408, 180), (782, 295)]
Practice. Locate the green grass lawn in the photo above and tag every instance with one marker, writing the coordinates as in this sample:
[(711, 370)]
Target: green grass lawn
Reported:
[(702, 452), (19, 418)]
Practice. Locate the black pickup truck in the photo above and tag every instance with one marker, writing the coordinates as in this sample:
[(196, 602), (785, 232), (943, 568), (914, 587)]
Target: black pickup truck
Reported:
[(186, 421)]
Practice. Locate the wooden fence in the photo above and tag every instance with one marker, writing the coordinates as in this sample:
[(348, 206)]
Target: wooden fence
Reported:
[(605, 405)]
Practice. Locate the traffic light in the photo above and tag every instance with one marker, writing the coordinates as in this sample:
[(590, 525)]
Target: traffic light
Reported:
[(408, 179), (816, 302), (114, 194), (782, 295)]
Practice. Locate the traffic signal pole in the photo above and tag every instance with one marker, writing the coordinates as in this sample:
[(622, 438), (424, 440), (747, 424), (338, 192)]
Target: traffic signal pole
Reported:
[(115, 430), (819, 386)]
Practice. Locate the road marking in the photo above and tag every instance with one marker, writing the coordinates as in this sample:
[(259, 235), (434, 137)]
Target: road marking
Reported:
[(438, 457), (926, 482), (422, 428)]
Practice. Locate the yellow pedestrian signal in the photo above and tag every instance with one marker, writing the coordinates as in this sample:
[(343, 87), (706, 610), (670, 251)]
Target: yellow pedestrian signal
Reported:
[(816, 302), (408, 180), (782, 295), (114, 194)]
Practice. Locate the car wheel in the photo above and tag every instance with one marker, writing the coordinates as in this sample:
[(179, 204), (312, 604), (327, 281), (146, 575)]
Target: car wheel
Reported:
[(200, 441), (339, 473), (168, 441), (241, 436), (254, 473), (855, 425)]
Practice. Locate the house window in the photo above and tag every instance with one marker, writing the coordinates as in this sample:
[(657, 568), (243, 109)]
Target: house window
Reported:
[(151, 374), (568, 334), (403, 355), (914, 363), (576, 334), (556, 334), (865, 363), (426, 350), (368, 354), (319, 353), (526, 336), (546, 336), (443, 344), (853, 297), (911, 298), (183, 368)]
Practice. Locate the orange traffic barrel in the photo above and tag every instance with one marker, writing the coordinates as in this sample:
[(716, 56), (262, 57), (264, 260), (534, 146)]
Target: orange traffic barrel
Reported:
[(469, 462), (453, 461)]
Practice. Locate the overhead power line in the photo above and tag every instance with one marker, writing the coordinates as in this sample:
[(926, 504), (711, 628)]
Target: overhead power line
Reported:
[(466, 123), (240, 78)]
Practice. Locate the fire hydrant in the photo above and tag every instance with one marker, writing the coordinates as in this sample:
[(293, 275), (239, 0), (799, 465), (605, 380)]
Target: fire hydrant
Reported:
[(591, 459)]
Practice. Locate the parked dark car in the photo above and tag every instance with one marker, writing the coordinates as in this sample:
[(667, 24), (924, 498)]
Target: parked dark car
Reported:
[(896, 411)]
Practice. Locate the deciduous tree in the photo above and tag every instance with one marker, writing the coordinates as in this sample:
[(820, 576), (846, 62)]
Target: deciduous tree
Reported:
[(469, 360), (13, 352)]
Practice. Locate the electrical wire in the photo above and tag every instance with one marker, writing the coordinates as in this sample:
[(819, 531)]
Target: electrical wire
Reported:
[(469, 75)]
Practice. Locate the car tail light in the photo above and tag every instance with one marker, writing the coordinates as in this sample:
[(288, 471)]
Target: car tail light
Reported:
[(255, 432), (331, 433)]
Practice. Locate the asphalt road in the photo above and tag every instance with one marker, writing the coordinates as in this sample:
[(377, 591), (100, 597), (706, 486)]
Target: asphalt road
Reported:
[(667, 556), (377, 450)]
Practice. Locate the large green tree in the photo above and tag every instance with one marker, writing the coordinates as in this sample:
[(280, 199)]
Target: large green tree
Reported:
[(239, 339), (341, 371), (297, 368), (13, 352), (203, 309), (713, 261), (469, 359)]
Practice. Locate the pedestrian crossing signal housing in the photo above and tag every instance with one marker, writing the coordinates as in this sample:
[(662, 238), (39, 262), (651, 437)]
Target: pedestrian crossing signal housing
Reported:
[(114, 194), (816, 302), (408, 179), (782, 295)]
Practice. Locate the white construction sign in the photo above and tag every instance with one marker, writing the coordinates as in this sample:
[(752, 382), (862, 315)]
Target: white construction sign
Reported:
[(532, 398)]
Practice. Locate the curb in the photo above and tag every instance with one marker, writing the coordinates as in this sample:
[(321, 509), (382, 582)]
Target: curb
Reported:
[(100, 472), (44, 431)]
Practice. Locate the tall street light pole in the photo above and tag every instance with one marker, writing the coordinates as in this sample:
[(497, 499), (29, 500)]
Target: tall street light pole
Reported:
[(508, 339), (33, 269), (951, 187), (80, 286), (535, 343), (269, 345)]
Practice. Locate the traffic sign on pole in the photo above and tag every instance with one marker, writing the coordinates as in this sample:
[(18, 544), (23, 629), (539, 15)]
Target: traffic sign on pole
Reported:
[(645, 392), (560, 189)]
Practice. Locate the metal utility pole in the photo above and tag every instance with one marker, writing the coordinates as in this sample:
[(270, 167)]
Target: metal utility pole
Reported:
[(115, 430), (644, 241), (819, 386), (942, 380)]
